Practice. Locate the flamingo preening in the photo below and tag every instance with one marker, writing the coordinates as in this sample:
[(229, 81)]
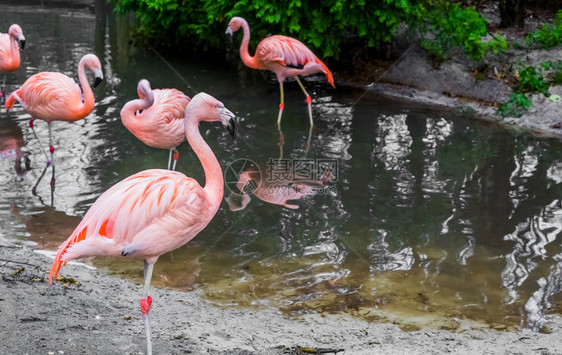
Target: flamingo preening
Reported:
[(52, 96), (275, 53), (10, 52), (155, 211), (157, 118)]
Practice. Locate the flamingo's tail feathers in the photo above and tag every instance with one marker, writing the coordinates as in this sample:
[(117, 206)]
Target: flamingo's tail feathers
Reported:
[(55, 268), (327, 72), (10, 101), (59, 262)]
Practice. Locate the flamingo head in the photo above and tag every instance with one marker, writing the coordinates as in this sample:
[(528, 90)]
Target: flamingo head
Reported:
[(234, 25), (93, 63), (16, 32), (204, 107), (145, 92)]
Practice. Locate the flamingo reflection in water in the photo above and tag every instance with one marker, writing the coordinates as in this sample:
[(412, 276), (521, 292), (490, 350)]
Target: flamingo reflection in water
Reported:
[(11, 144), (277, 190)]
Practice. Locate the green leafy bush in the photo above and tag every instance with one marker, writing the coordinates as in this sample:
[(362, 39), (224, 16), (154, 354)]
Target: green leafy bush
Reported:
[(450, 26), (515, 105), (530, 80), (549, 35)]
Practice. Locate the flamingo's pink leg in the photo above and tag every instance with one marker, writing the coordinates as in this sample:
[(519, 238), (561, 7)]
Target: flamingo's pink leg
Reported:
[(51, 147), (170, 159), (176, 156), (281, 143), (308, 139), (52, 185), (173, 152), (146, 303), (308, 100), (281, 105), (31, 124)]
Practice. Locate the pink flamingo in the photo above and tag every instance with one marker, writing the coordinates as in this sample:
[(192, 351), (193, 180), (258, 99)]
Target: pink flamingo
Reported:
[(52, 96), (155, 211), (275, 53), (10, 52), (157, 118)]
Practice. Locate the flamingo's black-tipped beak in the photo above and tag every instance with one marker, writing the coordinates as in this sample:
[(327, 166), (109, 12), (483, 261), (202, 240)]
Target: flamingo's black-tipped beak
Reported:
[(231, 127), (21, 40), (228, 120), (99, 77), (230, 35), (97, 81)]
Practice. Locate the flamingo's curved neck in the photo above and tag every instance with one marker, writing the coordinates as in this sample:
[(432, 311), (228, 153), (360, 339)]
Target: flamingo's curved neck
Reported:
[(244, 54), (15, 49), (128, 111), (214, 183), (88, 104)]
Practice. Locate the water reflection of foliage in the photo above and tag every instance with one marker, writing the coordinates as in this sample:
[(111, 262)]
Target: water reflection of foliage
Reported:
[(489, 181)]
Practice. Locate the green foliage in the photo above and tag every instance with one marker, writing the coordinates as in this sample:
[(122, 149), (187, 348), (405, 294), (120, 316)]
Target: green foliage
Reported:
[(549, 35), (450, 26), (530, 80), (548, 65), (557, 78), (322, 25), (555, 69), (325, 26), (515, 105)]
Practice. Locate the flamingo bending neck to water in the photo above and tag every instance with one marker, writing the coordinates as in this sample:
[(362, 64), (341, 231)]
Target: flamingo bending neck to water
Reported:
[(52, 96), (157, 118), (155, 211), (275, 53), (10, 52)]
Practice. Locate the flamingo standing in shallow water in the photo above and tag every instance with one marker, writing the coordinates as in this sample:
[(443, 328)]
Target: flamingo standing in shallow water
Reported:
[(52, 96), (10, 52), (275, 53), (157, 118), (155, 211)]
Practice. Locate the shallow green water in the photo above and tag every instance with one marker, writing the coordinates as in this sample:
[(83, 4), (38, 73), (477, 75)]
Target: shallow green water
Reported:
[(425, 218)]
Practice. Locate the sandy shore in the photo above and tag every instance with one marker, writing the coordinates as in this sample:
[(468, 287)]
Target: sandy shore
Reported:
[(100, 315)]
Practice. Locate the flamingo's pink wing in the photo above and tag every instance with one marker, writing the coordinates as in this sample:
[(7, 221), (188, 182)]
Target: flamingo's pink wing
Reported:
[(170, 103), (286, 50), (124, 210), (47, 95), (162, 124)]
